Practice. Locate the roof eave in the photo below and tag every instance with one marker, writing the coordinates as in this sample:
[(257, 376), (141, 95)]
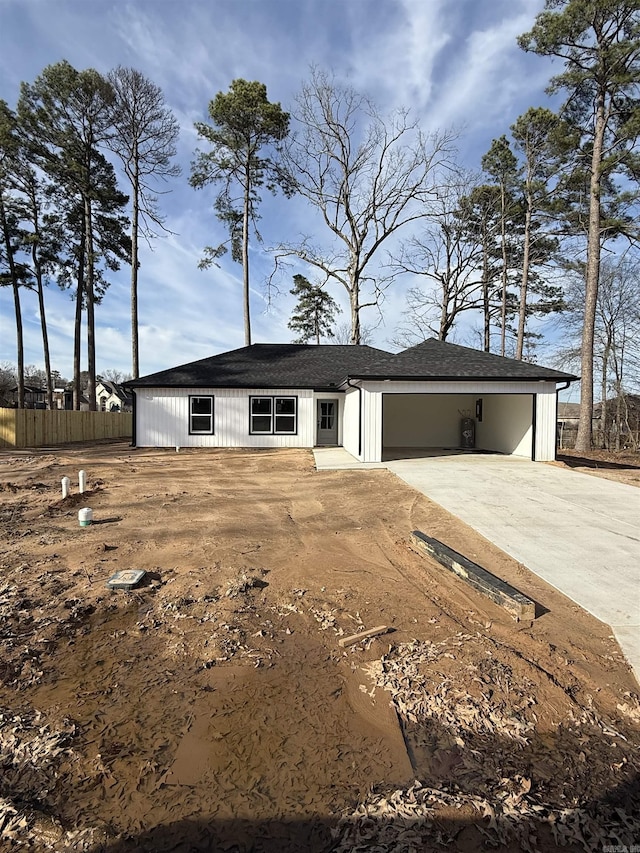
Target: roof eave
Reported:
[(439, 378), (304, 386)]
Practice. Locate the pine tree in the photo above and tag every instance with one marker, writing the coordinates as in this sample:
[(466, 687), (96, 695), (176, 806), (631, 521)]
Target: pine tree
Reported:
[(541, 138), (244, 134), (501, 165), (314, 313), (599, 42), (66, 116), (12, 272)]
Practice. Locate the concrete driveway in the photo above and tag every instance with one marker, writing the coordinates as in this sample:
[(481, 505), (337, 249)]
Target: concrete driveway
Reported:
[(580, 533)]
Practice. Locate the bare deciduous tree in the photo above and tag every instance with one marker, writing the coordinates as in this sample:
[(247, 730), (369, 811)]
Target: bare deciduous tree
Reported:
[(366, 176), (144, 137), (447, 256), (112, 374), (342, 334)]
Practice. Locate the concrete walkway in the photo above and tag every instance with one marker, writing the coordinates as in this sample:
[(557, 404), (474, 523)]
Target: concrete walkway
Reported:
[(580, 533), (339, 459)]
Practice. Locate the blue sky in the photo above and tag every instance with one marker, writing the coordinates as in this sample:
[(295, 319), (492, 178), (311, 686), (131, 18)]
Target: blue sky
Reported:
[(453, 63)]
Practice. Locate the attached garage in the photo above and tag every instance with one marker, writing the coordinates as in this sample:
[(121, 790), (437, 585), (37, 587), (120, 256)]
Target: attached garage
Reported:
[(518, 418), (502, 423), (415, 400)]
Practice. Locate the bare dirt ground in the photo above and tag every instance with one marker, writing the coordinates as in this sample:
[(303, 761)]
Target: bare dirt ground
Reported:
[(623, 466), (213, 708)]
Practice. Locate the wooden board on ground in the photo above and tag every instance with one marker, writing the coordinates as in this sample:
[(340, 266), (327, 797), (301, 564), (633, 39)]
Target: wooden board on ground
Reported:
[(500, 592), (345, 642)]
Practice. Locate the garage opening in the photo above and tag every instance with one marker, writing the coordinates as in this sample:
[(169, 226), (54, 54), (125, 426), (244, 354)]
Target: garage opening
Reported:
[(423, 424)]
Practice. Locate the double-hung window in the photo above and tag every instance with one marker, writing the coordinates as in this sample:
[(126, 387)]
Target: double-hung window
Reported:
[(200, 415), (273, 415)]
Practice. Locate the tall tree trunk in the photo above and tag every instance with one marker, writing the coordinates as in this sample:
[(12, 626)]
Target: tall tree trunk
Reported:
[(91, 323), (354, 306), (503, 240), (446, 321), (485, 293), (583, 439), (245, 259), (77, 329), (135, 357), (524, 283), (45, 335), (618, 415), (37, 266), (15, 284), (604, 412)]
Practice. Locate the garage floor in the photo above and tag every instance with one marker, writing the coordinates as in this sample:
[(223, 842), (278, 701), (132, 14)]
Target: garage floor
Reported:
[(580, 533)]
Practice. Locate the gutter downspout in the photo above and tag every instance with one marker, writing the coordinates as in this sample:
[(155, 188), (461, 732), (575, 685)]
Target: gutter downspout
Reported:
[(134, 418), (558, 390), (359, 390)]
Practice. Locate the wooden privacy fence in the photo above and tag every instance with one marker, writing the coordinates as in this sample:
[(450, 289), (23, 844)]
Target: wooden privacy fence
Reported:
[(39, 427)]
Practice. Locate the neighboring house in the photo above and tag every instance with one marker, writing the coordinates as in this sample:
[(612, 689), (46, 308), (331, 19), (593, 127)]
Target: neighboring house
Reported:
[(369, 401), (111, 397), (34, 397), (568, 415)]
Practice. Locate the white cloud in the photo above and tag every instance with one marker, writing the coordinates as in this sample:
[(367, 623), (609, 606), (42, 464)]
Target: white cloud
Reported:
[(487, 77), (398, 61), (451, 63)]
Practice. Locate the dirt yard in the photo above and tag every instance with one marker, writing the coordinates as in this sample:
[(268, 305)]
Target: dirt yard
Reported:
[(623, 466), (213, 707)]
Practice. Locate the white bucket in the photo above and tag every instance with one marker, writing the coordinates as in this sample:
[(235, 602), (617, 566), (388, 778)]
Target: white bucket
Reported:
[(85, 516)]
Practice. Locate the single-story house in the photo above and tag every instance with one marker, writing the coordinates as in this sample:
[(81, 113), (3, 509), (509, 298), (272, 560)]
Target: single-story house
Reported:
[(367, 400)]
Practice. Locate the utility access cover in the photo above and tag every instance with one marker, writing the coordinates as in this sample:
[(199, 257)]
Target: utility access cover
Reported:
[(126, 579)]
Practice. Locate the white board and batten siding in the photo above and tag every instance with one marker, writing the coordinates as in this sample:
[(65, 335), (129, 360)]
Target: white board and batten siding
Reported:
[(351, 422), (162, 418), (543, 413), (546, 423)]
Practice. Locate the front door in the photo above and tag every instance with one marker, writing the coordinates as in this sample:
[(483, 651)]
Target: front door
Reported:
[(327, 422)]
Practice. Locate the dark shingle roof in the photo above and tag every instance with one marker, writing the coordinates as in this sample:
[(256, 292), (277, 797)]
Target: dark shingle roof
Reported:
[(329, 365), (268, 366), (435, 359)]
